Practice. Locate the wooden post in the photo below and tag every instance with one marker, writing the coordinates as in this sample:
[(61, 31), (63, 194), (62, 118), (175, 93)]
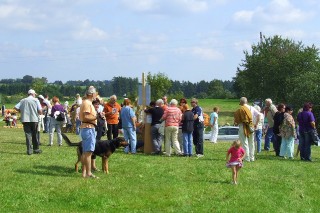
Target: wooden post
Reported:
[(147, 121)]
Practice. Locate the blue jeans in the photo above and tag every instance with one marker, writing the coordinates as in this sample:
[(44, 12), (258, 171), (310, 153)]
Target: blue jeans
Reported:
[(187, 143), (130, 135), (46, 121), (258, 137), (305, 145), (78, 124), (156, 138), (269, 137)]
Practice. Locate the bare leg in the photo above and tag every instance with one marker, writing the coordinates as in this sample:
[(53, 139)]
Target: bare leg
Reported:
[(86, 157), (237, 173), (93, 164), (234, 174)]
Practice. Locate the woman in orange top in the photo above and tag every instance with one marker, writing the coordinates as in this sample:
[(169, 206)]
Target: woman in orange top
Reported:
[(112, 111)]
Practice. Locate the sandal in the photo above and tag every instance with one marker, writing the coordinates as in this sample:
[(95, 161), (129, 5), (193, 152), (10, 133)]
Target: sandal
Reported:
[(92, 176), (95, 169)]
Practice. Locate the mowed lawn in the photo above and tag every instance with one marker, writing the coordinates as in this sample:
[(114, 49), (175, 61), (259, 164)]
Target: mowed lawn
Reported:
[(145, 183)]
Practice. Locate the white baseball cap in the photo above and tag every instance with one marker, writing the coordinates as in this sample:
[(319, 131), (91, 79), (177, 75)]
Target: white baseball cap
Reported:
[(41, 97), (31, 92)]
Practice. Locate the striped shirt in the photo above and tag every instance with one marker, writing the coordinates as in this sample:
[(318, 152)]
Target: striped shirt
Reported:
[(172, 116)]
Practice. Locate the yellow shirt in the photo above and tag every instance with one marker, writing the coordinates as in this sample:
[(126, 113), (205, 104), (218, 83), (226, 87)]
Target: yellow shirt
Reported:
[(87, 107)]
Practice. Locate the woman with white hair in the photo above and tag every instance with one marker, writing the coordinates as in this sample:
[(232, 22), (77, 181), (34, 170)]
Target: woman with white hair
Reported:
[(258, 124), (172, 115)]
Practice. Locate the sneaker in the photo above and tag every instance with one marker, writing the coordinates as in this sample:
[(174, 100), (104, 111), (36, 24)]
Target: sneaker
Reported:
[(200, 155)]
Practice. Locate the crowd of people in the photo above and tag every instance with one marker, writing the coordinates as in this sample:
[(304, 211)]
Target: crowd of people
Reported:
[(281, 129), (176, 126)]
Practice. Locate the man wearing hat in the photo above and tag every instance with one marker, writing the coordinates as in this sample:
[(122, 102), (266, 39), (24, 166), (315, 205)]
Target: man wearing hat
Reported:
[(88, 117), (30, 109)]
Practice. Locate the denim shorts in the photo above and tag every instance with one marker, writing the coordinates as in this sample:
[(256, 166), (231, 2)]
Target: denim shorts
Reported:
[(88, 139)]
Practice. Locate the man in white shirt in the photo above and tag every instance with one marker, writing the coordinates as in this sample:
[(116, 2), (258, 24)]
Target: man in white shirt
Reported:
[(29, 109), (256, 116)]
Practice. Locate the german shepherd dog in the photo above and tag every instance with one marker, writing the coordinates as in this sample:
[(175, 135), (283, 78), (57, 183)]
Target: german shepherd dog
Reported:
[(103, 148)]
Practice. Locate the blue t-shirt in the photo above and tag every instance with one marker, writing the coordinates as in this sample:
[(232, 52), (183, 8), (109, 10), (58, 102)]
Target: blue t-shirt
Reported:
[(212, 116), (126, 115), (197, 110)]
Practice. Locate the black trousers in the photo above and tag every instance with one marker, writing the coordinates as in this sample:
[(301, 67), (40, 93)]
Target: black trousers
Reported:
[(113, 131), (30, 131), (198, 137), (277, 144)]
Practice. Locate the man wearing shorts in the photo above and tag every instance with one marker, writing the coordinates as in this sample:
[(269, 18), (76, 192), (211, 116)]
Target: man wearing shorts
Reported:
[(88, 117)]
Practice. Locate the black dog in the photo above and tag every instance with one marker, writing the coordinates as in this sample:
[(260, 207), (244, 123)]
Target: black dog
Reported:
[(103, 148)]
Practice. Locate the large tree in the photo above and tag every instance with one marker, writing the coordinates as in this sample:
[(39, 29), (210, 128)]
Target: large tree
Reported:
[(281, 69), (160, 85)]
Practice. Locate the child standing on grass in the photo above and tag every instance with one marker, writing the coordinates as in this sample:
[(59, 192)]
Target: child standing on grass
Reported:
[(236, 153)]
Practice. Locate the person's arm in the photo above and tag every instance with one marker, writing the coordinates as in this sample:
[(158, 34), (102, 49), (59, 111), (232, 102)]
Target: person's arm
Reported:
[(88, 117), (17, 107), (195, 116), (214, 121), (313, 124), (227, 156), (242, 156), (134, 121)]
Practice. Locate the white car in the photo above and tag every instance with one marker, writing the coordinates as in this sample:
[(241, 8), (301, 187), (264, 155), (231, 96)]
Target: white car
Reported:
[(226, 133)]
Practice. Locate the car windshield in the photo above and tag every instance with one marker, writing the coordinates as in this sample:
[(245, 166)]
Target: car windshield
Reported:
[(223, 131), (233, 131)]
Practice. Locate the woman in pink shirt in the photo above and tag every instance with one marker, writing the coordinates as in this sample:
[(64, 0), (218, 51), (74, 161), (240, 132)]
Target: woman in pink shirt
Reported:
[(172, 115), (236, 153)]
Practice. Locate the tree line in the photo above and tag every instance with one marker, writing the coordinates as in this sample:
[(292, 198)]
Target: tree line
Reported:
[(12, 90), (278, 68)]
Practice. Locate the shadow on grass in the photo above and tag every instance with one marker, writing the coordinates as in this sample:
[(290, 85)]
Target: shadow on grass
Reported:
[(14, 142), (13, 153), (220, 182), (51, 170)]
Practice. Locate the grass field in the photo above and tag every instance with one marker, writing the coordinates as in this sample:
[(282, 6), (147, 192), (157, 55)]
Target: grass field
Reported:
[(145, 183)]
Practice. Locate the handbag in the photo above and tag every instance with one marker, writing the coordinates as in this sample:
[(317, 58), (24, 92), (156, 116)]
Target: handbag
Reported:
[(314, 137)]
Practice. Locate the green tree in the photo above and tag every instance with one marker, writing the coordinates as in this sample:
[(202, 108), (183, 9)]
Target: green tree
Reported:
[(280, 69), (160, 85)]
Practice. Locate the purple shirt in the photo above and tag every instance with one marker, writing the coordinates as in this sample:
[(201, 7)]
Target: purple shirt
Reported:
[(305, 118), (56, 107)]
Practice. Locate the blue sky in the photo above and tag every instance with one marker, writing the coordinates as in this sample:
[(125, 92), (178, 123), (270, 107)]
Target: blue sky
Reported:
[(188, 40)]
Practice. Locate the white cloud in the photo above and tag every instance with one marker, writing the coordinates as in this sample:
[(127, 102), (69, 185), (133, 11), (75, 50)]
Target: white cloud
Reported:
[(193, 5), (277, 11), (86, 31), (207, 53), (242, 45), (141, 5), (166, 6), (243, 16), (201, 52)]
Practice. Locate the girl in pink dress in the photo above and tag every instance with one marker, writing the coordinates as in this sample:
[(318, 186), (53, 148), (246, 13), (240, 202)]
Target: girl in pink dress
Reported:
[(236, 154)]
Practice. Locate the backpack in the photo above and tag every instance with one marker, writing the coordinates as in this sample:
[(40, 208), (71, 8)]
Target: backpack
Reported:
[(61, 116)]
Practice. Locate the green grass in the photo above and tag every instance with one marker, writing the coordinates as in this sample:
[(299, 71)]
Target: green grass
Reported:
[(227, 108), (144, 183)]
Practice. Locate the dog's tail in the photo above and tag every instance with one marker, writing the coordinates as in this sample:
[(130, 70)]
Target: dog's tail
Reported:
[(67, 140)]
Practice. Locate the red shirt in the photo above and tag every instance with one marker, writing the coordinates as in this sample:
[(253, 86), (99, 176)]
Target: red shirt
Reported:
[(235, 153)]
